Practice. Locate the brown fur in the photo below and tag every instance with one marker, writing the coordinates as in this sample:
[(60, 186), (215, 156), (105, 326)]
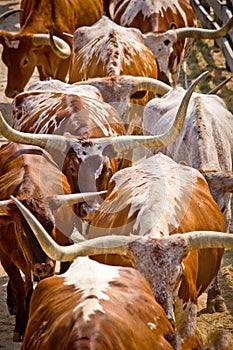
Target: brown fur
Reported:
[(38, 17), (29, 174)]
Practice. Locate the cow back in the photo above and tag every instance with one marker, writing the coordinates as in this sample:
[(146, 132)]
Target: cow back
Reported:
[(96, 306)]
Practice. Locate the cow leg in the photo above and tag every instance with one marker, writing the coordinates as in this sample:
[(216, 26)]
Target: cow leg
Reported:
[(215, 301), (11, 301), (20, 292)]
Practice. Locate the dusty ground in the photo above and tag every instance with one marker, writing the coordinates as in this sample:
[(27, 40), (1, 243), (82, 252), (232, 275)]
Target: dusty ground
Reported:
[(205, 57)]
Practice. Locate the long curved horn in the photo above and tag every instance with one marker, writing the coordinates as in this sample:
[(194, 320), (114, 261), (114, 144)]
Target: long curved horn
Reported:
[(101, 245), (134, 83), (43, 140), (146, 83), (7, 14), (125, 143), (208, 239), (68, 199), (201, 33), (115, 244), (58, 45), (219, 86), (119, 143)]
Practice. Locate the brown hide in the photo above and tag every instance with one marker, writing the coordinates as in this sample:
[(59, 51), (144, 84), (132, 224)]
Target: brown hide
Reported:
[(158, 198), (29, 173), (21, 55), (158, 17), (124, 314), (152, 16), (109, 50), (80, 111)]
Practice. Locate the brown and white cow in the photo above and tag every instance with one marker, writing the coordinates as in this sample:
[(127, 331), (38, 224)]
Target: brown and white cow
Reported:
[(158, 17), (158, 198), (104, 58), (30, 47), (92, 153), (94, 306), (169, 30), (54, 107), (174, 265), (30, 174)]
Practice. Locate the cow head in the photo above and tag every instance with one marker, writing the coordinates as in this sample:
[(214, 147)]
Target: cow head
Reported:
[(126, 94), (24, 171), (23, 52), (89, 171), (168, 47), (15, 232)]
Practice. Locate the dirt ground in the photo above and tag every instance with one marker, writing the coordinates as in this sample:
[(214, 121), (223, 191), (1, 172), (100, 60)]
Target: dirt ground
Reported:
[(204, 57)]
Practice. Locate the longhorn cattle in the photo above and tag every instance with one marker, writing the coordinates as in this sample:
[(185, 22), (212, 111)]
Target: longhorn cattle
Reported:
[(158, 257), (159, 17), (86, 161), (158, 198), (30, 47), (54, 107), (169, 30), (101, 50), (104, 58), (204, 143), (94, 306), (30, 174)]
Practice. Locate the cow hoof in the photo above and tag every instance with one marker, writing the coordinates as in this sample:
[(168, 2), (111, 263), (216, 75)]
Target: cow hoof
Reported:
[(220, 305)]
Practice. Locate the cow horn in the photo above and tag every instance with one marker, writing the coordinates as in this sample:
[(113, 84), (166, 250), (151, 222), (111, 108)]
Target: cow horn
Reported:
[(125, 143), (43, 140), (119, 143), (74, 198), (219, 86), (146, 83), (113, 244), (68, 35), (58, 45), (201, 33), (135, 83), (208, 239), (7, 14), (4, 205)]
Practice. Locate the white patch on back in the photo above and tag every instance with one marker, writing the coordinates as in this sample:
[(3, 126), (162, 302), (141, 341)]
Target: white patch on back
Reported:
[(165, 189), (92, 278)]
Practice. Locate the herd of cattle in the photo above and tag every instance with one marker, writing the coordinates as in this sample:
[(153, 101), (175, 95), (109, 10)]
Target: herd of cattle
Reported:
[(114, 171)]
